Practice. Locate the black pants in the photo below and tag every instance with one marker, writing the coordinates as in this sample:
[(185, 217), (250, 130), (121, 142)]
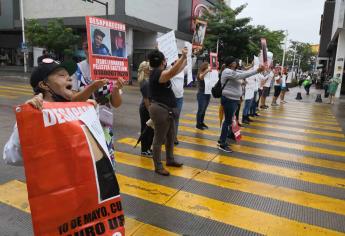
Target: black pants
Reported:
[(237, 114), (108, 185), (147, 136)]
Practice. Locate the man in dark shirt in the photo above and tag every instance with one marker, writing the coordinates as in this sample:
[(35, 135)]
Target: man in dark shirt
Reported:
[(97, 46), (163, 108), (45, 54)]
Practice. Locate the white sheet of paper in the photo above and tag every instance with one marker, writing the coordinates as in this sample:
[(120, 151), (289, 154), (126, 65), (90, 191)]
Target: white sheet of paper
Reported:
[(167, 45), (210, 79), (189, 63), (90, 119)]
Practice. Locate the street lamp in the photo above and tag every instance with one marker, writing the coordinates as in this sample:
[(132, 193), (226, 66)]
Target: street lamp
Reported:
[(283, 61), (102, 3)]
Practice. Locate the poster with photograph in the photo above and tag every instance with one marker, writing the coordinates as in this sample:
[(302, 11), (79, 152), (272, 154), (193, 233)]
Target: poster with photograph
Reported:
[(199, 34), (72, 188), (167, 45), (107, 48), (264, 51), (213, 61)]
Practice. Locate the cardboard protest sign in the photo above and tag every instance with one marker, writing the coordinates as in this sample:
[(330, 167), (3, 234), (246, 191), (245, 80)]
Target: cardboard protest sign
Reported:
[(189, 63), (211, 78), (167, 45), (71, 186), (199, 34), (214, 61), (107, 48)]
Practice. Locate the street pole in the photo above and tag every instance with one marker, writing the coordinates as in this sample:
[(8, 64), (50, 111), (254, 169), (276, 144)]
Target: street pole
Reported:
[(283, 61), (23, 33), (106, 7), (293, 62), (217, 45)]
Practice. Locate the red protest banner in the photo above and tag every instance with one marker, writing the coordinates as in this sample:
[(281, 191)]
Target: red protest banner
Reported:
[(65, 171), (213, 61), (107, 48)]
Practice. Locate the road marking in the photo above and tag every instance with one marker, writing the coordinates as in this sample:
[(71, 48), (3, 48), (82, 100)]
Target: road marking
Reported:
[(276, 134), (14, 194), (16, 89), (337, 135), (240, 184), (249, 165), (15, 92), (272, 142), (226, 213)]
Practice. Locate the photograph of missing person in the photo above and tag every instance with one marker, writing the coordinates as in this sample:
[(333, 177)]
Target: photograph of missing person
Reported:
[(213, 61), (100, 41), (199, 33), (108, 186), (118, 43)]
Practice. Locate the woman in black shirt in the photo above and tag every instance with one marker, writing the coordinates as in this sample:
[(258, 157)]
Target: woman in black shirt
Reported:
[(163, 108)]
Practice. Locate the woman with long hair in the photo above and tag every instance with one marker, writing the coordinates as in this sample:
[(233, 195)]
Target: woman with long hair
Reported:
[(146, 131), (203, 99)]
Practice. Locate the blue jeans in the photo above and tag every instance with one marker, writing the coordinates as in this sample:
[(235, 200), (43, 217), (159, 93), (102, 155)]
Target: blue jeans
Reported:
[(203, 101), (179, 103), (229, 106), (247, 106), (254, 104)]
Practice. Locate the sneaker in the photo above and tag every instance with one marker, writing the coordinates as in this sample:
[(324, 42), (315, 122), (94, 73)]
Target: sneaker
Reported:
[(200, 127), (274, 105), (256, 114), (147, 153), (204, 125), (163, 172), (266, 107), (176, 142), (225, 148), (250, 120), (174, 164), (245, 121)]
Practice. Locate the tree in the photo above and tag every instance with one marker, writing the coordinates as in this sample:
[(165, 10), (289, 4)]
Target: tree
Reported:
[(236, 37), (303, 52), (55, 37)]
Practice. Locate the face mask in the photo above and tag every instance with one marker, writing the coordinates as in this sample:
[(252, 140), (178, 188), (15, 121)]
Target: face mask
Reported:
[(56, 97)]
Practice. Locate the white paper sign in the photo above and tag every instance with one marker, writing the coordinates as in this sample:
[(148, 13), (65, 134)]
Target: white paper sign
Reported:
[(90, 119), (189, 62), (167, 45), (210, 79)]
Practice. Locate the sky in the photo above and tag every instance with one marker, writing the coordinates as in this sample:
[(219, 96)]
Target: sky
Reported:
[(301, 18)]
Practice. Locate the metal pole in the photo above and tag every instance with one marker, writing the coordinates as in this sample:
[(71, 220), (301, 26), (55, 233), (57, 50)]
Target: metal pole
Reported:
[(106, 10), (217, 45), (23, 33), (283, 61), (293, 62)]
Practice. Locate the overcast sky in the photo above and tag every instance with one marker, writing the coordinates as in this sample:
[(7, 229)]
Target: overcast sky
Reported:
[(300, 17)]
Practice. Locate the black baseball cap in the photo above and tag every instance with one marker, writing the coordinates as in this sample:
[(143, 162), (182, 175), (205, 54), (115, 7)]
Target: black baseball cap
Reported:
[(48, 66), (229, 60)]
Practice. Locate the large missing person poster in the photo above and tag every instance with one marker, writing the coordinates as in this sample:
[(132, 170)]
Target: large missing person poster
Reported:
[(72, 187), (199, 34), (107, 48), (167, 45)]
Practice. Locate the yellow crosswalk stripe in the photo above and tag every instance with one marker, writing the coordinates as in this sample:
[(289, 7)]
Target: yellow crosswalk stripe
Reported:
[(282, 123), (277, 134), (14, 88), (301, 114), (240, 184), (8, 96), (14, 194), (227, 213), (271, 142), (313, 117), (316, 121), (249, 165), (13, 92)]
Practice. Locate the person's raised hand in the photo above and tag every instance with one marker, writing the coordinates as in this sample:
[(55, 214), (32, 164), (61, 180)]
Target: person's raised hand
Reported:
[(261, 69), (99, 83), (36, 101), (119, 83), (184, 51)]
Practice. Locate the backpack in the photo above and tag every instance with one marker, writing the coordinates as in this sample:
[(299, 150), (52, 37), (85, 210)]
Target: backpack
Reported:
[(218, 89)]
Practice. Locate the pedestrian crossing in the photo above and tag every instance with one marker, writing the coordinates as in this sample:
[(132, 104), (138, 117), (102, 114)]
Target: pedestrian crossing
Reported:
[(286, 177), (14, 91)]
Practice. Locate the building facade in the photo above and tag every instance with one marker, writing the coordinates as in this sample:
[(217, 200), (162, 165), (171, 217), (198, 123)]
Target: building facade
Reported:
[(332, 40), (145, 21)]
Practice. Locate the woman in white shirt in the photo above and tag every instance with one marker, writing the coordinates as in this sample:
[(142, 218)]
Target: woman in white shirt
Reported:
[(277, 88)]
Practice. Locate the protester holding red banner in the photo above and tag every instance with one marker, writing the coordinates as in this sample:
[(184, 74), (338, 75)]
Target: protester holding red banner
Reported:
[(232, 82), (163, 109), (106, 93)]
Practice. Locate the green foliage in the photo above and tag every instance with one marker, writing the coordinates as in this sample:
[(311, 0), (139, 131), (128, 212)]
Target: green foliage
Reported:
[(303, 52), (55, 36), (236, 37)]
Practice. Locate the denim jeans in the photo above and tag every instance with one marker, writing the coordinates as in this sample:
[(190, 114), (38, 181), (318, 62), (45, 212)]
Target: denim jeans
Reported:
[(247, 106), (229, 106), (179, 102), (254, 104), (203, 101)]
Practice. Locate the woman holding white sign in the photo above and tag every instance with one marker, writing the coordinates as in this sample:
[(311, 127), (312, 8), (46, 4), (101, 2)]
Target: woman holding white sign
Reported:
[(203, 99)]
